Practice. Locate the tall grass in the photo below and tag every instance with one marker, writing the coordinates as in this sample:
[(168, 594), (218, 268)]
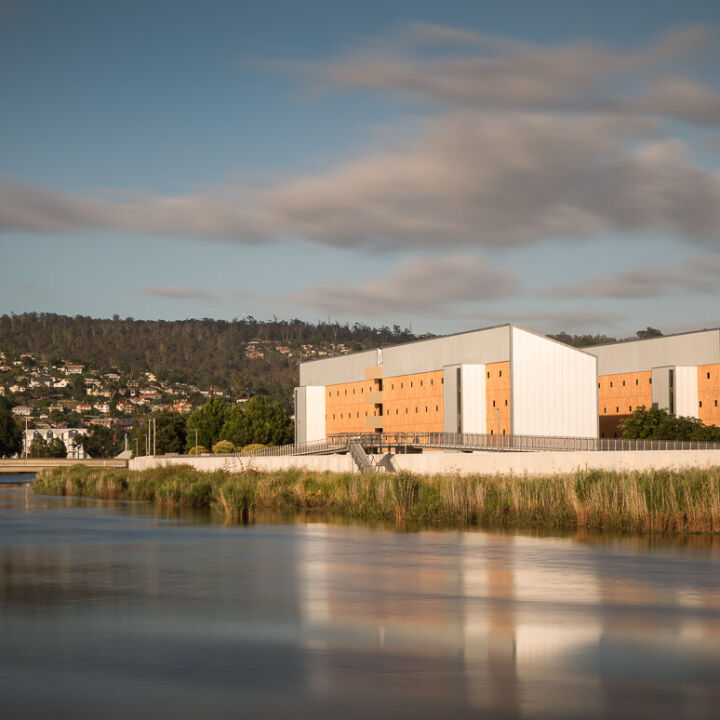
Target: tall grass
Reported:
[(655, 501)]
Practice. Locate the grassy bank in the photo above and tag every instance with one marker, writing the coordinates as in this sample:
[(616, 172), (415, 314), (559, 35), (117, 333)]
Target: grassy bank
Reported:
[(659, 501)]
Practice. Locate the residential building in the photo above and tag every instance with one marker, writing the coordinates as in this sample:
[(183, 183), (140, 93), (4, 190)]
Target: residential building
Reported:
[(497, 381), (69, 436)]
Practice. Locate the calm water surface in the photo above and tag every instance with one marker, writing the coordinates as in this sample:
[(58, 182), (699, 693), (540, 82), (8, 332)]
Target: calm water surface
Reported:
[(118, 610)]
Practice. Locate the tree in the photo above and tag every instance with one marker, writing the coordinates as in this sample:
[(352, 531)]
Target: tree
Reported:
[(171, 433), (657, 424), (100, 442), (223, 447), (648, 332), (56, 448), (258, 421), (208, 421), (10, 433)]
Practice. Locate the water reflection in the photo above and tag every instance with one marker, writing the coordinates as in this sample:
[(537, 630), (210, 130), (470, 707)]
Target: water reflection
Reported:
[(173, 613)]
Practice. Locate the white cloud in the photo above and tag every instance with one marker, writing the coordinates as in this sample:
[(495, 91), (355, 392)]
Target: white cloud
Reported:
[(178, 292)]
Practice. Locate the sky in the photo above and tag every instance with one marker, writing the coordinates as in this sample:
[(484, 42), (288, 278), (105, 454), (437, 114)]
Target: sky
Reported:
[(443, 166)]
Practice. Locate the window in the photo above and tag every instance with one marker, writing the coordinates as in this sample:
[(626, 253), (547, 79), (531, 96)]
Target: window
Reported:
[(651, 381), (700, 405), (357, 415), (604, 409), (341, 416), (630, 408), (437, 408), (611, 383), (506, 403), (491, 432), (488, 373), (442, 381), (346, 392), (493, 403), (392, 387), (421, 383), (617, 409), (362, 389), (416, 409), (396, 411), (503, 431), (333, 416), (402, 385), (353, 391), (500, 373), (366, 414), (623, 383), (411, 383), (637, 382), (406, 411), (716, 403), (426, 408), (708, 376), (598, 385), (432, 381)]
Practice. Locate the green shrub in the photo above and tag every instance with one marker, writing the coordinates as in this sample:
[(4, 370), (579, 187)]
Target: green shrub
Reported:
[(223, 447)]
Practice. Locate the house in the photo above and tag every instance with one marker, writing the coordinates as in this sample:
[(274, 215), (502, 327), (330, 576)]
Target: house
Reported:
[(22, 410)]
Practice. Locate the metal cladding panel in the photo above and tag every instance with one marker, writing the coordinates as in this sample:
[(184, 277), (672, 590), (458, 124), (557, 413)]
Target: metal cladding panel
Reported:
[(339, 369), (450, 397), (473, 399), (661, 388), (697, 348), (309, 414), (554, 388), (686, 391), (477, 347)]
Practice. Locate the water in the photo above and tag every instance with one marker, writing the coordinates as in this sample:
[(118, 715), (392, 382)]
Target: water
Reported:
[(123, 610)]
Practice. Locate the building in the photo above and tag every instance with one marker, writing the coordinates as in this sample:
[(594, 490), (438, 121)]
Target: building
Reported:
[(679, 373), (67, 435), (497, 381)]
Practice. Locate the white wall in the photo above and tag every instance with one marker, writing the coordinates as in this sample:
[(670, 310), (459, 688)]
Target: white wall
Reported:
[(318, 463), (473, 399), (686, 391), (548, 463), (314, 413), (553, 388)]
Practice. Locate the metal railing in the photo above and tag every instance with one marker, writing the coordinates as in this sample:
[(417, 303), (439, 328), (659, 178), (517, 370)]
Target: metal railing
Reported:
[(469, 442), (514, 443)]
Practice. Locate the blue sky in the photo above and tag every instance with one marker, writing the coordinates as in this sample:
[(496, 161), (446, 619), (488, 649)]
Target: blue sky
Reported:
[(445, 165)]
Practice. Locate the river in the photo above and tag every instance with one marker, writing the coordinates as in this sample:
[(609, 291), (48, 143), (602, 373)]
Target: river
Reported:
[(125, 610)]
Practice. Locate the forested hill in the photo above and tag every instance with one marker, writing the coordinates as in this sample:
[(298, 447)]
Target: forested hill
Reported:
[(239, 355)]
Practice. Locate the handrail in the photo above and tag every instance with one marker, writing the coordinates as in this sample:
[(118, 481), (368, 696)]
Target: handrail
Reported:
[(469, 442)]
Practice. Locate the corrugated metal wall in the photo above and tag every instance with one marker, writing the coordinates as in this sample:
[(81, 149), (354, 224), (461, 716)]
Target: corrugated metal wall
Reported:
[(698, 348), (338, 369), (554, 388)]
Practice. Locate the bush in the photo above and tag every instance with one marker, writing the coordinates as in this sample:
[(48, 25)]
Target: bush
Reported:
[(252, 447), (223, 447), (197, 450)]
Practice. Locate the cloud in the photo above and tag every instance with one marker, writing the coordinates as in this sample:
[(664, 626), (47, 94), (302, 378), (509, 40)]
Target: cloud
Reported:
[(493, 72), (423, 285), (178, 292), (470, 180), (585, 319), (701, 275)]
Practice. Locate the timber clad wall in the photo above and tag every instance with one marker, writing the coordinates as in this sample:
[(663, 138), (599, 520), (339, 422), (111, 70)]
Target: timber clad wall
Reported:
[(346, 407), (619, 396), (413, 403), (497, 398), (709, 394)]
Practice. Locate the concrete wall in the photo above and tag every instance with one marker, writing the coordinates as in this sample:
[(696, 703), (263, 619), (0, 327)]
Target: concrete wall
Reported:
[(317, 463), (436, 463), (309, 413), (554, 388), (548, 463)]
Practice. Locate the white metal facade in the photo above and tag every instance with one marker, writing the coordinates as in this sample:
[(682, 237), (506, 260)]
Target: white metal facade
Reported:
[(553, 388)]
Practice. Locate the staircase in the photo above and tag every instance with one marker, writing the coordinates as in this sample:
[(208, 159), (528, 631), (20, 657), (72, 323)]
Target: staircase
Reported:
[(364, 462)]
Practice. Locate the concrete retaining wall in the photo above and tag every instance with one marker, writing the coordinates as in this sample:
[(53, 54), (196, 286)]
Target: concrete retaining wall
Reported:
[(550, 463), (318, 463), (434, 463)]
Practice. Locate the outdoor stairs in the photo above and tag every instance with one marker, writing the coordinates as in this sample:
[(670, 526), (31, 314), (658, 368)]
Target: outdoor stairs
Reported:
[(364, 462)]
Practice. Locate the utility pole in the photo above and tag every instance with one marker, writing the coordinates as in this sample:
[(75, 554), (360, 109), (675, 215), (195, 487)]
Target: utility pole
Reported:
[(154, 437), (196, 440), (26, 437)]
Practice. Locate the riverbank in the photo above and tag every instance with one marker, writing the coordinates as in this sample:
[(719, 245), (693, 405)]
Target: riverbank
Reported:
[(658, 501)]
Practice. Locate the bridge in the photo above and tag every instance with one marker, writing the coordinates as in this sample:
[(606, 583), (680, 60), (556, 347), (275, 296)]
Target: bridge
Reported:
[(34, 465)]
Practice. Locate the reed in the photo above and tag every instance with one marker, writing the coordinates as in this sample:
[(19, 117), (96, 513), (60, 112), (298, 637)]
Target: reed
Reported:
[(656, 501)]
